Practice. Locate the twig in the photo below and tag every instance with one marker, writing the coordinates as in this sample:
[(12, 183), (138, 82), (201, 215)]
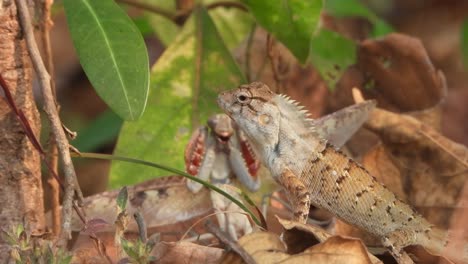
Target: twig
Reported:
[(151, 8), (52, 114), (229, 242), (141, 226), (227, 4), (52, 153), (180, 16), (273, 59), (248, 53)]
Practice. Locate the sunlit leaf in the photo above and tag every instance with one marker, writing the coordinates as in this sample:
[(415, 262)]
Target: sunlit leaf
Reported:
[(233, 24), (340, 8), (331, 54), (184, 87), (291, 22), (112, 53)]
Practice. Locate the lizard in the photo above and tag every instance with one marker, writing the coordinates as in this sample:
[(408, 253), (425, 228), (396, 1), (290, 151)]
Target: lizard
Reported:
[(312, 171)]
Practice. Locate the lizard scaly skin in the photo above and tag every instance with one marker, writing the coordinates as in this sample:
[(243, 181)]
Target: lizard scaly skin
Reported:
[(313, 171)]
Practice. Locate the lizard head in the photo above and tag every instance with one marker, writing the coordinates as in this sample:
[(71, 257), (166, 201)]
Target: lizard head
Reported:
[(253, 109)]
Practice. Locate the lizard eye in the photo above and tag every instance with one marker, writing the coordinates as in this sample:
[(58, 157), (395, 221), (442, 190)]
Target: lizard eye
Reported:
[(243, 98)]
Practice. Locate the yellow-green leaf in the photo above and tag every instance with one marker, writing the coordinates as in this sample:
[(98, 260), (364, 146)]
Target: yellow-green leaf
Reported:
[(184, 87)]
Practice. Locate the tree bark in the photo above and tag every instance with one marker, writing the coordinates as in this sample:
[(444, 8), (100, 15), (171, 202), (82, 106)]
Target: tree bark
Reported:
[(21, 197)]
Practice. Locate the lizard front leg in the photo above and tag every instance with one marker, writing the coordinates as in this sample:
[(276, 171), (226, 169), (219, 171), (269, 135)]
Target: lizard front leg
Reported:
[(298, 195)]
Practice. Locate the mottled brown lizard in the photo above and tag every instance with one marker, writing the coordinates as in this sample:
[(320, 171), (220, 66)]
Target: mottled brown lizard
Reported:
[(313, 171)]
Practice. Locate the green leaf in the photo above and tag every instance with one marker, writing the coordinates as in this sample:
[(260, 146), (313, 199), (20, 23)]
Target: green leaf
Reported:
[(165, 29), (340, 8), (291, 22), (143, 25), (129, 248), (464, 43), (188, 77), (122, 198), (233, 24), (331, 54), (112, 53), (104, 129)]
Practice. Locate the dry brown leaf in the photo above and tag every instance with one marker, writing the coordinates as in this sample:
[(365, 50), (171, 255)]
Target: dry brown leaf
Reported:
[(431, 167), (85, 250), (267, 247), (264, 247), (185, 252), (162, 201), (402, 71), (298, 237), (338, 249), (397, 72)]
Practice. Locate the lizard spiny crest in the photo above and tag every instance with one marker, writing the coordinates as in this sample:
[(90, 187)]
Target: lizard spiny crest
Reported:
[(298, 118)]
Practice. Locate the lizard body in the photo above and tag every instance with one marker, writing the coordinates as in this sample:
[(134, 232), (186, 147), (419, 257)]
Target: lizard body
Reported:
[(313, 171)]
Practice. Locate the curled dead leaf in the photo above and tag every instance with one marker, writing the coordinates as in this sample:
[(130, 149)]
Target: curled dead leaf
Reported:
[(402, 72), (161, 201)]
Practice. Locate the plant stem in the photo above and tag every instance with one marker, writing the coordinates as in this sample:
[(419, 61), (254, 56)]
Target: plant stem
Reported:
[(180, 16), (169, 169), (151, 8)]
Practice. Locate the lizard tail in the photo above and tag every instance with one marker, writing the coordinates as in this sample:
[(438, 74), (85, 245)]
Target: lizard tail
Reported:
[(442, 243)]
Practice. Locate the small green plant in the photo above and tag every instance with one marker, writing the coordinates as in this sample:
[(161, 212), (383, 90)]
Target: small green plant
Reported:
[(139, 251), (28, 249)]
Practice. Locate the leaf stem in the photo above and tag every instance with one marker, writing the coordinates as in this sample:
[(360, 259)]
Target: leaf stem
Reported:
[(169, 169)]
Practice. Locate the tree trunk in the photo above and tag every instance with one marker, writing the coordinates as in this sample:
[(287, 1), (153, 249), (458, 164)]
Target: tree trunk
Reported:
[(21, 198)]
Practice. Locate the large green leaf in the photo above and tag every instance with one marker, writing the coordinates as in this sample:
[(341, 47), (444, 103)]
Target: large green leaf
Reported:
[(112, 53), (184, 87), (340, 8), (290, 21), (331, 54)]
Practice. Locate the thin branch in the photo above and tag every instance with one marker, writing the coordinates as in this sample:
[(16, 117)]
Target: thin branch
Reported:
[(179, 17), (151, 8), (52, 114), (227, 4), (142, 231), (52, 152), (248, 52), (229, 242)]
